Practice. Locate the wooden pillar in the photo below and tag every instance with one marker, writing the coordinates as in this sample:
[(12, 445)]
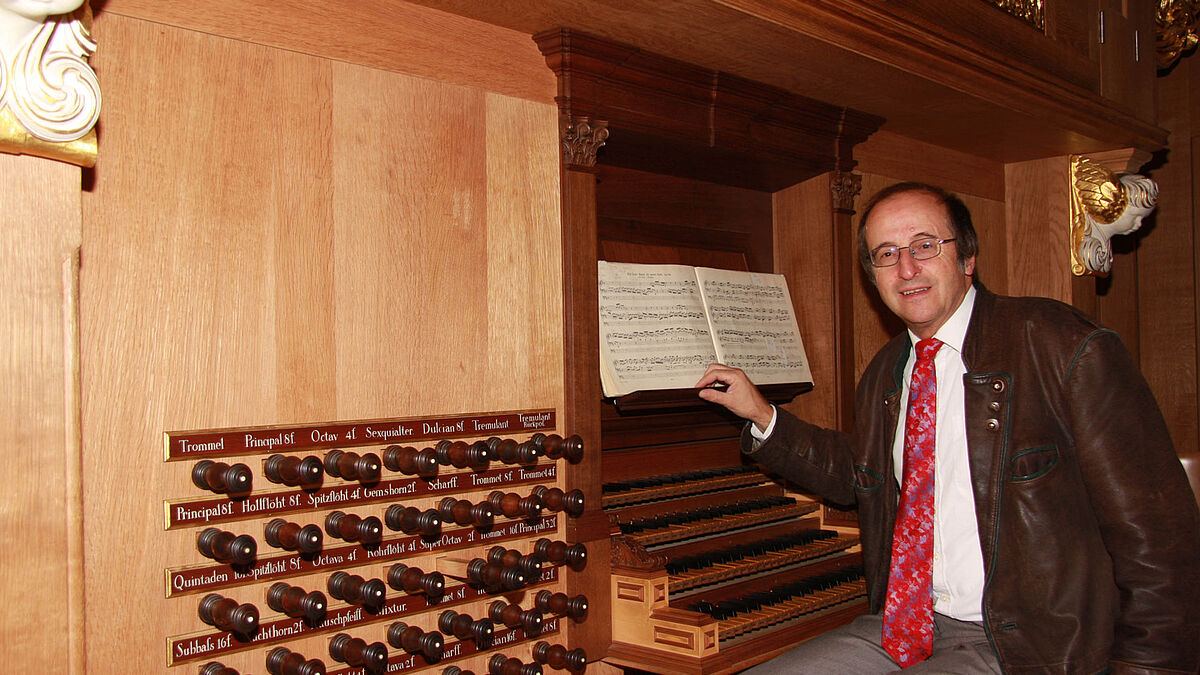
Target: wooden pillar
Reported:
[(844, 187), (41, 536), (581, 138)]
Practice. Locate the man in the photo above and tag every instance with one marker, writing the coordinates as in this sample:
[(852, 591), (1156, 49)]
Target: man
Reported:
[(1015, 477)]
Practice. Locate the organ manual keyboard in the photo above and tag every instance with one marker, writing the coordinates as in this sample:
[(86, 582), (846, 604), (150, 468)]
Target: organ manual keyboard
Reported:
[(715, 570)]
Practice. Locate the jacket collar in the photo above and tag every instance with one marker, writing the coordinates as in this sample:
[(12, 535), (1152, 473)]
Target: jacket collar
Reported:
[(985, 307)]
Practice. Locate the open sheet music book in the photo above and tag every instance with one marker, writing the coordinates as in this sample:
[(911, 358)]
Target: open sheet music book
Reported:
[(661, 325)]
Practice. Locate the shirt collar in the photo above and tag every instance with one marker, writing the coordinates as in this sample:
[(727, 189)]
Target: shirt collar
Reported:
[(954, 331)]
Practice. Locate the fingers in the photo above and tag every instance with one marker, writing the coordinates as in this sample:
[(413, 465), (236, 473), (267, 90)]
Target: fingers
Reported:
[(718, 372), (740, 395)]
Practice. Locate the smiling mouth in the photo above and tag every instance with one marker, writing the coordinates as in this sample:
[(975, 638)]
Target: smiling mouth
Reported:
[(914, 291)]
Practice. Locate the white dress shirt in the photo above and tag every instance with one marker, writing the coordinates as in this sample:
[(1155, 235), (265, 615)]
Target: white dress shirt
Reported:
[(957, 556)]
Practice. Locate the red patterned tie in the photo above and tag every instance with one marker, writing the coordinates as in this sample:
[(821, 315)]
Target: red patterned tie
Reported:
[(908, 614)]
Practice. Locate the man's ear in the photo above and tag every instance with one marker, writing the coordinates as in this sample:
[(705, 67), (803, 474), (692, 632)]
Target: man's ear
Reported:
[(968, 266)]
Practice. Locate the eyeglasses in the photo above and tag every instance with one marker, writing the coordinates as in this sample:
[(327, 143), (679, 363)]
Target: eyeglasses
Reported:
[(920, 249)]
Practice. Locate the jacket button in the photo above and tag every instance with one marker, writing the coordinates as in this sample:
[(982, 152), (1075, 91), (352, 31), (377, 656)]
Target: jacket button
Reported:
[(998, 385), (994, 406), (992, 424)]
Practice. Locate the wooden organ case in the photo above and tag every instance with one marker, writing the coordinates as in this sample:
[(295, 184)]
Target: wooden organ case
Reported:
[(715, 566)]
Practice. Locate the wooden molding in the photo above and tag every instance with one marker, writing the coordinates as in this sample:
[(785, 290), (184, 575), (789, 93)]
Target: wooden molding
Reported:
[(680, 119)]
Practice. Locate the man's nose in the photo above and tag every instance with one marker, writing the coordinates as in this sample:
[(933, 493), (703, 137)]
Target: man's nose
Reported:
[(907, 266)]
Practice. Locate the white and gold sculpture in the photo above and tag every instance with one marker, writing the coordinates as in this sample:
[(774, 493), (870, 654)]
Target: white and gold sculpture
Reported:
[(49, 95), (1104, 205)]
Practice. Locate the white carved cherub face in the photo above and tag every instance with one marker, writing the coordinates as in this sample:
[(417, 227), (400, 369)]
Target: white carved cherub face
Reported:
[(38, 10), (1143, 197)]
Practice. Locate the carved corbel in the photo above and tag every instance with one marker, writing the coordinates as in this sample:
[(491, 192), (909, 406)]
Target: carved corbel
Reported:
[(1104, 205), (49, 95), (1177, 23), (843, 188), (581, 139)]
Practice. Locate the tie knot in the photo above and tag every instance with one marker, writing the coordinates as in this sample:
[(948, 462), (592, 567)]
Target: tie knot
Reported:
[(928, 348)]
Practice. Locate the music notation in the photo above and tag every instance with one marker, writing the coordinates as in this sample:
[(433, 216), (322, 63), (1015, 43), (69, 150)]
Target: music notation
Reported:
[(661, 325)]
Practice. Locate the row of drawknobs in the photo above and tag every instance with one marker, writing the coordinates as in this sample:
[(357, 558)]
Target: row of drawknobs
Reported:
[(242, 549), (236, 480), (373, 658), (503, 571)]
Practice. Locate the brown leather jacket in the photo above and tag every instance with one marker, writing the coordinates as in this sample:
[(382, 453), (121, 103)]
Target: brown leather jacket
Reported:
[(1090, 533)]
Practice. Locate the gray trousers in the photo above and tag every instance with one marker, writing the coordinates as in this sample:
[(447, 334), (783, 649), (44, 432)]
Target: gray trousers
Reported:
[(959, 648)]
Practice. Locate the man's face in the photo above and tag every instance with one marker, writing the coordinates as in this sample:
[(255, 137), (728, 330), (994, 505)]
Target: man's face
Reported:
[(923, 293)]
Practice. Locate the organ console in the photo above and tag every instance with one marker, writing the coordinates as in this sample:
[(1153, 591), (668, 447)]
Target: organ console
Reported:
[(356, 652), (409, 460), (347, 526), (235, 480), (463, 512), (555, 500), (228, 615), (575, 608), (462, 580), (507, 665), (556, 447), (530, 565), (463, 627), (508, 451), (355, 590), (463, 456), (295, 602), (413, 640), (307, 473), (283, 661), (411, 520), (352, 466), (559, 657), (714, 569), (511, 615), (293, 537), (226, 547), (513, 505), (560, 552), (412, 580)]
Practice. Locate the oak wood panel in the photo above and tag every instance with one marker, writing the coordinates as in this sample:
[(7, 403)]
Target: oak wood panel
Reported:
[(1127, 63), (40, 540), (804, 255), (1167, 254), (860, 55), (386, 34), (890, 154), (1038, 228), (273, 238)]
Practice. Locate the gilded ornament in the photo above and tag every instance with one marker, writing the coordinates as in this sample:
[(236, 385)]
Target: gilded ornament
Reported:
[(1104, 205), (49, 95), (1029, 11), (1177, 23)]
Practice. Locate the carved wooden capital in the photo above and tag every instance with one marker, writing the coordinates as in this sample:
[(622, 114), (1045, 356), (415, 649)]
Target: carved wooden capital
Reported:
[(581, 139), (843, 188)]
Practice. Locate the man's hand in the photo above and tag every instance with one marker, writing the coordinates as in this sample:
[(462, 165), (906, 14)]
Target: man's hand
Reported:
[(741, 397)]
